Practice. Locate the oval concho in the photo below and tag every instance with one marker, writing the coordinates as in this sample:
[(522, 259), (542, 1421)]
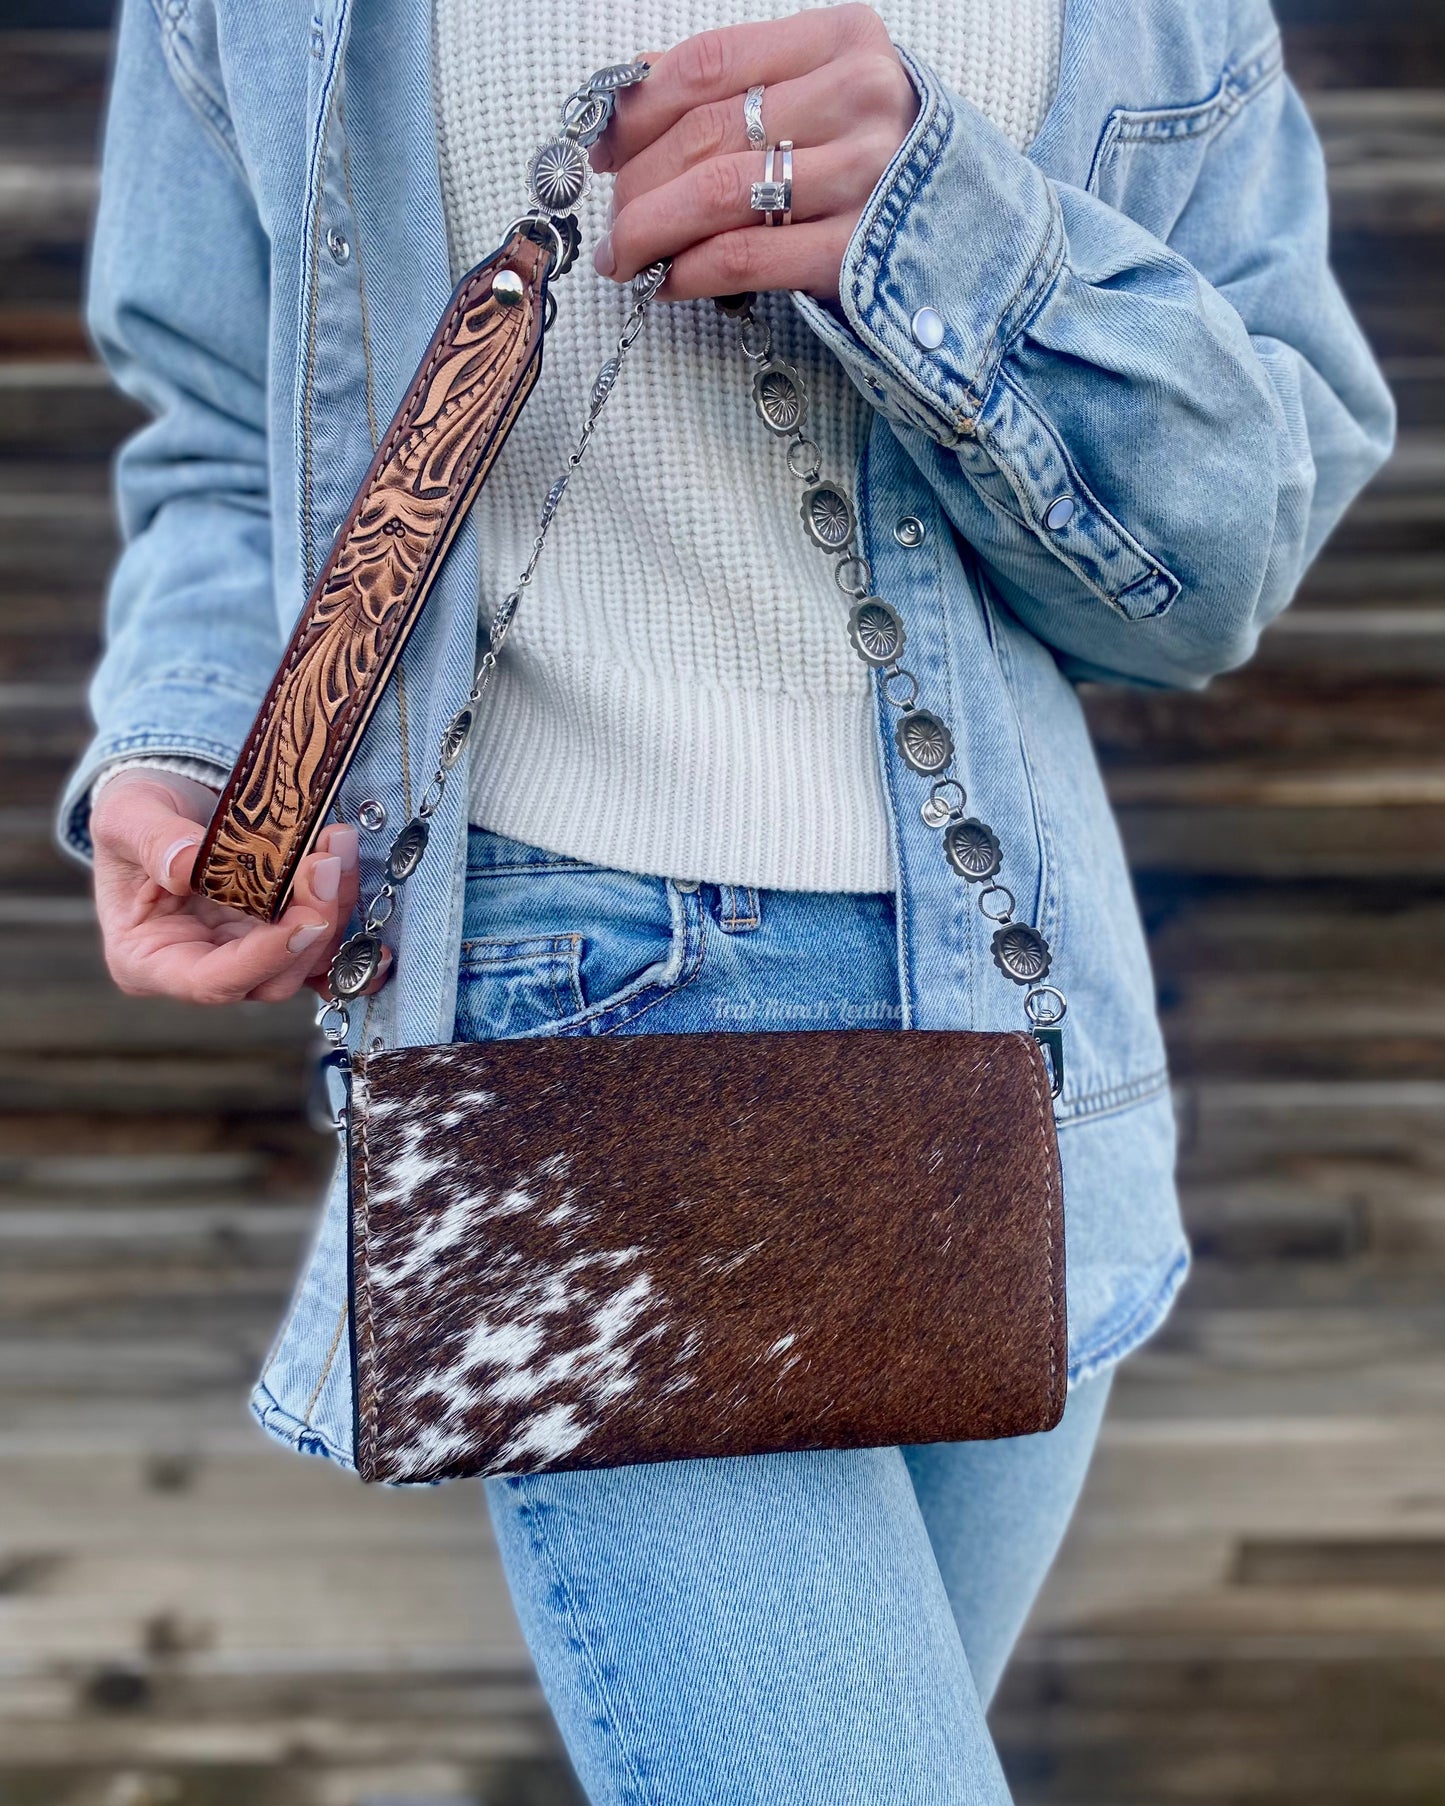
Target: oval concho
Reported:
[(923, 741), (557, 175), (1021, 953), (828, 515), (357, 962), (406, 851), (778, 396), (876, 631), (971, 848)]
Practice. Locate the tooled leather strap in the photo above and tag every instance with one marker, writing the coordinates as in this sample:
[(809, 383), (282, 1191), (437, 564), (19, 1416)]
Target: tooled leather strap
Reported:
[(435, 456)]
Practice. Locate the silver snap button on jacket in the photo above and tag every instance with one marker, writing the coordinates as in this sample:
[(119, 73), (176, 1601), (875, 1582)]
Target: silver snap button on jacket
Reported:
[(1060, 513), (338, 246), (910, 531), (372, 815), (928, 328)]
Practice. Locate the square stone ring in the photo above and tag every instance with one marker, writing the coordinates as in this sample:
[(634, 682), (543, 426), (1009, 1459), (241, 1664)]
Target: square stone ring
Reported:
[(771, 197)]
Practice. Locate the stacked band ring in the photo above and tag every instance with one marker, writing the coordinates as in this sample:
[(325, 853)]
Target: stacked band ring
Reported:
[(771, 197)]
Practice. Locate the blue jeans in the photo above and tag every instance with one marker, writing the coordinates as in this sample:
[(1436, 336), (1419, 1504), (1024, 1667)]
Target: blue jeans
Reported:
[(781, 1630)]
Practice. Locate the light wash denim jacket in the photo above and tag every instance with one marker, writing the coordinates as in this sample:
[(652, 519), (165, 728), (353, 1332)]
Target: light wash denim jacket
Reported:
[(1139, 316)]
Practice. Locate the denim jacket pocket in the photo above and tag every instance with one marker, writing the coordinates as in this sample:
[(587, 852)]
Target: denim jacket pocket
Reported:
[(1147, 160)]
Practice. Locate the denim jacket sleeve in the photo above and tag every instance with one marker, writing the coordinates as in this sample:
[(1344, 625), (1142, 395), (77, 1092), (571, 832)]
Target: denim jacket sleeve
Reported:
[(177, 306), (1144, 442)]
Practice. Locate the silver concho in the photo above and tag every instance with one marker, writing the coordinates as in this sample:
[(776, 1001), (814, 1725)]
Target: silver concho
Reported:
[(454, 740), (602, 383), (646, 283), (971, 848), (618, 75), (406, 851), (554, 497), (924, 741), (1021, 953), (876, 631), (778, 396), (558, 174), (357, 962), (828, 516)]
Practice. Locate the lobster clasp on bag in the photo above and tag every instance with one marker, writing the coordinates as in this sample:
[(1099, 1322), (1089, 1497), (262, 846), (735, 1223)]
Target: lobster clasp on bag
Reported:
[(1052, 1042), (328, 1093), (1046, 1006)]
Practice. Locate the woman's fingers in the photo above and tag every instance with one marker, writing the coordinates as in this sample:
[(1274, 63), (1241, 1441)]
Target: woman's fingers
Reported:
[(154, 823), (326, 882), (202, 955), (715, 197), (823, 105), (759, 258), (728, 61), (177, 956)]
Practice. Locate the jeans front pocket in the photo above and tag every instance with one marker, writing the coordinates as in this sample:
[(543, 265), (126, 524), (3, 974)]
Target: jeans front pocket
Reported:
[(509, 987), (556, 946)]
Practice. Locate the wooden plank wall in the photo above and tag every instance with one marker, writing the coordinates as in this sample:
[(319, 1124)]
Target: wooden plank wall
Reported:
[(1251, 1607)]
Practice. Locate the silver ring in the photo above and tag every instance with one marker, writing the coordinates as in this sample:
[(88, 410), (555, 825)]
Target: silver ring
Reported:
[(753, 117), (772, 198)]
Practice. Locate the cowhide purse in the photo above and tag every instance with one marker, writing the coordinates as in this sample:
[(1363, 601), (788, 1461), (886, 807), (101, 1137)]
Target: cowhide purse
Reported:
[(584, 1251)]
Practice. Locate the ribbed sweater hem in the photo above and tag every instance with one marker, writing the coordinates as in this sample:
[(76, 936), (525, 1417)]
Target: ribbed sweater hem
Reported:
[(639, 773)]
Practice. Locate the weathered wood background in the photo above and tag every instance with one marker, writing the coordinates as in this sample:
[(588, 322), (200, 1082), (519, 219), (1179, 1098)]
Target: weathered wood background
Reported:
[(1252, 1605)]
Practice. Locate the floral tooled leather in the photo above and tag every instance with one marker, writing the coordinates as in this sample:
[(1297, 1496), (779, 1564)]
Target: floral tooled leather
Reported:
[(458, 410)]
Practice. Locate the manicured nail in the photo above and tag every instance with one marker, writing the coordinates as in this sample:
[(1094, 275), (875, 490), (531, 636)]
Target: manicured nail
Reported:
[(186, 845), (343, 843), (326, 879), (602, 259), (306, 936)]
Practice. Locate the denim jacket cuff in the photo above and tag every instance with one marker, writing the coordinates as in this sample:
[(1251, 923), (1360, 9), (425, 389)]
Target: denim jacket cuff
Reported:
[(960, 223), (219, 720), (963, 224)]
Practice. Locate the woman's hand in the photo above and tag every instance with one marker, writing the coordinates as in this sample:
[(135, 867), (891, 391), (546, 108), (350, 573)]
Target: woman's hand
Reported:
[(679, 147), (161, 940)]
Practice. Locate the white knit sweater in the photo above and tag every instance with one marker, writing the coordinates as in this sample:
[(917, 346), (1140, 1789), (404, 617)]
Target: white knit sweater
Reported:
[(678, 694)]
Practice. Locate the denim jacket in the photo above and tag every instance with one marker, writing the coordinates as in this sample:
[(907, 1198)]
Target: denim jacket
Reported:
[(1149, 407)]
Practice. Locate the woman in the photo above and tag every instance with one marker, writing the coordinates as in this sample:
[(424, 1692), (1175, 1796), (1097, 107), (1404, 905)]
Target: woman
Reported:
[(1056, 279)]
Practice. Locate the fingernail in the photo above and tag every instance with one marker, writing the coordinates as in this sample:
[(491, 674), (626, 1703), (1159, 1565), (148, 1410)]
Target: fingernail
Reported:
[(343, 843), (326, 879), (305, 936), (602, 259), (186, 845)]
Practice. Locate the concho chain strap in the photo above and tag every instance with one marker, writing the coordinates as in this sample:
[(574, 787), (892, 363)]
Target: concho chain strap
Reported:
[(557, 177)]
